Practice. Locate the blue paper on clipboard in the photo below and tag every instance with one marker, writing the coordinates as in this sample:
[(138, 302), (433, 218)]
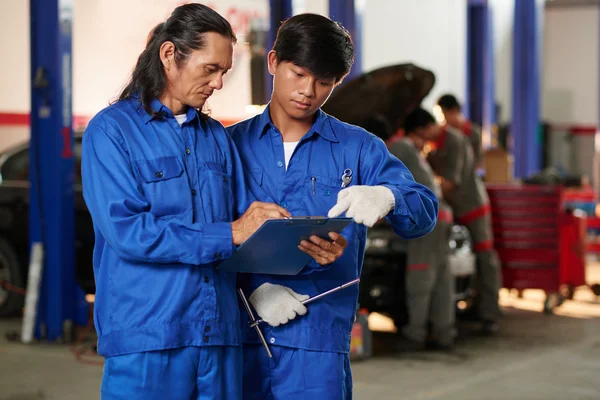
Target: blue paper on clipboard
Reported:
[(273, 248)]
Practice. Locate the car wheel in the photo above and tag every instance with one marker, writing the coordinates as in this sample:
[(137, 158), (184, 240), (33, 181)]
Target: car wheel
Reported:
[(12, 282)]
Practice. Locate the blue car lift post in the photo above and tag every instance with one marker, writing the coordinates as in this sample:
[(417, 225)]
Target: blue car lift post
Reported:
[(279, 11), (525, 128), (349, 15), (480, 97), (51, 173)]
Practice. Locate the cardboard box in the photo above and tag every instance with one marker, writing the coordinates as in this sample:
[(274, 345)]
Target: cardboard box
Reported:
[(498, 166)]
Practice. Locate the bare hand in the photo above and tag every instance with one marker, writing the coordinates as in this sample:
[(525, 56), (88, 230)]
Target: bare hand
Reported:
[(447, 189), (253, 218), (323, 251), (432, 159)]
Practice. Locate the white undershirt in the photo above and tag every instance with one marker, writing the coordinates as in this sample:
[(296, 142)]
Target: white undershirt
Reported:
[(288, 148), (181, 118)]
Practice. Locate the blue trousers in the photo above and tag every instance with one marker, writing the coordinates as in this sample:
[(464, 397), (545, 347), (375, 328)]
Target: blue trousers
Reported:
[(187, 373), (295, 374)]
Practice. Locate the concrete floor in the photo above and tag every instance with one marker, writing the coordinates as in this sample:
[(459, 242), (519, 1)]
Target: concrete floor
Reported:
[(535, 357)]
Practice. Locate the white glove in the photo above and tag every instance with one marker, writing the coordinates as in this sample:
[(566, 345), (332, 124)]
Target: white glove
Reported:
[(276, 304), (366, 204)]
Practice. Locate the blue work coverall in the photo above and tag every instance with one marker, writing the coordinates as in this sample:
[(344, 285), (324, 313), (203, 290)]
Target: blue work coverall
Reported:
[(162, 197), (311, 353)]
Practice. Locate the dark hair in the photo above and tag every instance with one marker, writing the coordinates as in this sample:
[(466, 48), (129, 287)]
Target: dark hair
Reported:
[(155, 31), (418, 118), (449, 102), (185, 28), (379, 126), (315, 42)]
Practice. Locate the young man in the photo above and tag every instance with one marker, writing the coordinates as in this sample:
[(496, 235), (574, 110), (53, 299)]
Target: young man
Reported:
[(304, 160), (163, 183), (455, 118), (452, 159), (429, 281)]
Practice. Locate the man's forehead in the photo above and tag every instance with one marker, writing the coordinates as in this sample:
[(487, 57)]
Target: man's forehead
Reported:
[(215, 56), (219, 63)]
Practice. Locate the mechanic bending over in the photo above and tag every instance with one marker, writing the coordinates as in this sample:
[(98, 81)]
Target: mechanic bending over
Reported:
[(452, 159), (297, 156), (163, 183), (453, 116), (429, 281)]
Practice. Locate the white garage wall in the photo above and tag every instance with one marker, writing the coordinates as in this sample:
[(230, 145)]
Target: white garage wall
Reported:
[(503, 12), (570, 69), (310, 6), (432, 34), (105, 47), (570, 83), (428, 33), (111, 53), (14, 80)]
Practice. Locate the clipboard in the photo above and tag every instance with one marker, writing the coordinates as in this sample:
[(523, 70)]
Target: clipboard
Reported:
[(273, 248)]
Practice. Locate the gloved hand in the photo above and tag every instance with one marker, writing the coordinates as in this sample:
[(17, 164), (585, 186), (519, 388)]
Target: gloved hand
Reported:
[(277, 304), (366, 204)]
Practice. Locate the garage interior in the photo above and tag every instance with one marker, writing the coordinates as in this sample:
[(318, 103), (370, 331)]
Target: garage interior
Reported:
[(526, 71)]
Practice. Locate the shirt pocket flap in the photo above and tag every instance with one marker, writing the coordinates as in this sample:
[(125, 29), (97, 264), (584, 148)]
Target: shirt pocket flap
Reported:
[(218, 170), (160, 169), (257, 175)]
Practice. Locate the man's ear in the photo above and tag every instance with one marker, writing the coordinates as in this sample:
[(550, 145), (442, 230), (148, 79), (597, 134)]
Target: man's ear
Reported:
[(272, 62), (167, 55)]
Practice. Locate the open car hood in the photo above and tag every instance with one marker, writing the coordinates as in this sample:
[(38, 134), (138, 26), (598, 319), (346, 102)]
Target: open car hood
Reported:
[(380, 99)]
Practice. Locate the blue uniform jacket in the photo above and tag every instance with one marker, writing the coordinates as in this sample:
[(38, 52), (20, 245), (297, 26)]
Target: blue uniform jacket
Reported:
[(310, 187), (162, 198)]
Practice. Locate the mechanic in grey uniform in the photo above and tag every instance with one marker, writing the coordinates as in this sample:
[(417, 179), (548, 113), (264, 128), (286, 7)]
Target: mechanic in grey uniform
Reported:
[(429, 282), (455, 118), (453, 160)]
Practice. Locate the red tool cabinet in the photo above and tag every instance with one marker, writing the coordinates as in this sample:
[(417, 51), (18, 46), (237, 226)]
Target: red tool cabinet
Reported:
[(540, 244)]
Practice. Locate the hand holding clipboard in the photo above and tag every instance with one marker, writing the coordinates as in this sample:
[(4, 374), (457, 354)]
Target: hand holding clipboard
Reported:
[(273, 248)]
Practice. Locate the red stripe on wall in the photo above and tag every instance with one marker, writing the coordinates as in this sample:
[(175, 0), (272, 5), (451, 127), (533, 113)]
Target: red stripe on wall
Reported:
[(79, 121), (582, 130), (14, 119)]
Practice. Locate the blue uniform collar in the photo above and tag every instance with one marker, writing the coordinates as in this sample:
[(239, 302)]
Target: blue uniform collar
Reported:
[(157, 106), (321, 126)]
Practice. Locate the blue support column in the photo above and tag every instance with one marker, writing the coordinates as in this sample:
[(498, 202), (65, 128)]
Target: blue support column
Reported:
[(480, 98), (526, 87), (52, 216), (280, 11), (345, 12)]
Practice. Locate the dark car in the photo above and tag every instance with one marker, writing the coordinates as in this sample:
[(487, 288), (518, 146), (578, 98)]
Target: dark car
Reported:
[(384, 270), (14, 228)]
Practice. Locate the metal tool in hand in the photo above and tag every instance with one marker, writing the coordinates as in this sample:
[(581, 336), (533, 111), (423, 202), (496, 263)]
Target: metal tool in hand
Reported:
[(254, 322), (346, 177), (316, 297)]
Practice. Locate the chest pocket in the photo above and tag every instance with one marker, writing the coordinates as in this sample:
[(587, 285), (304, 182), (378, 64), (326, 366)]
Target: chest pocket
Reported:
[(322, 193), (256, 176), (165, 185), (217, 193)]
